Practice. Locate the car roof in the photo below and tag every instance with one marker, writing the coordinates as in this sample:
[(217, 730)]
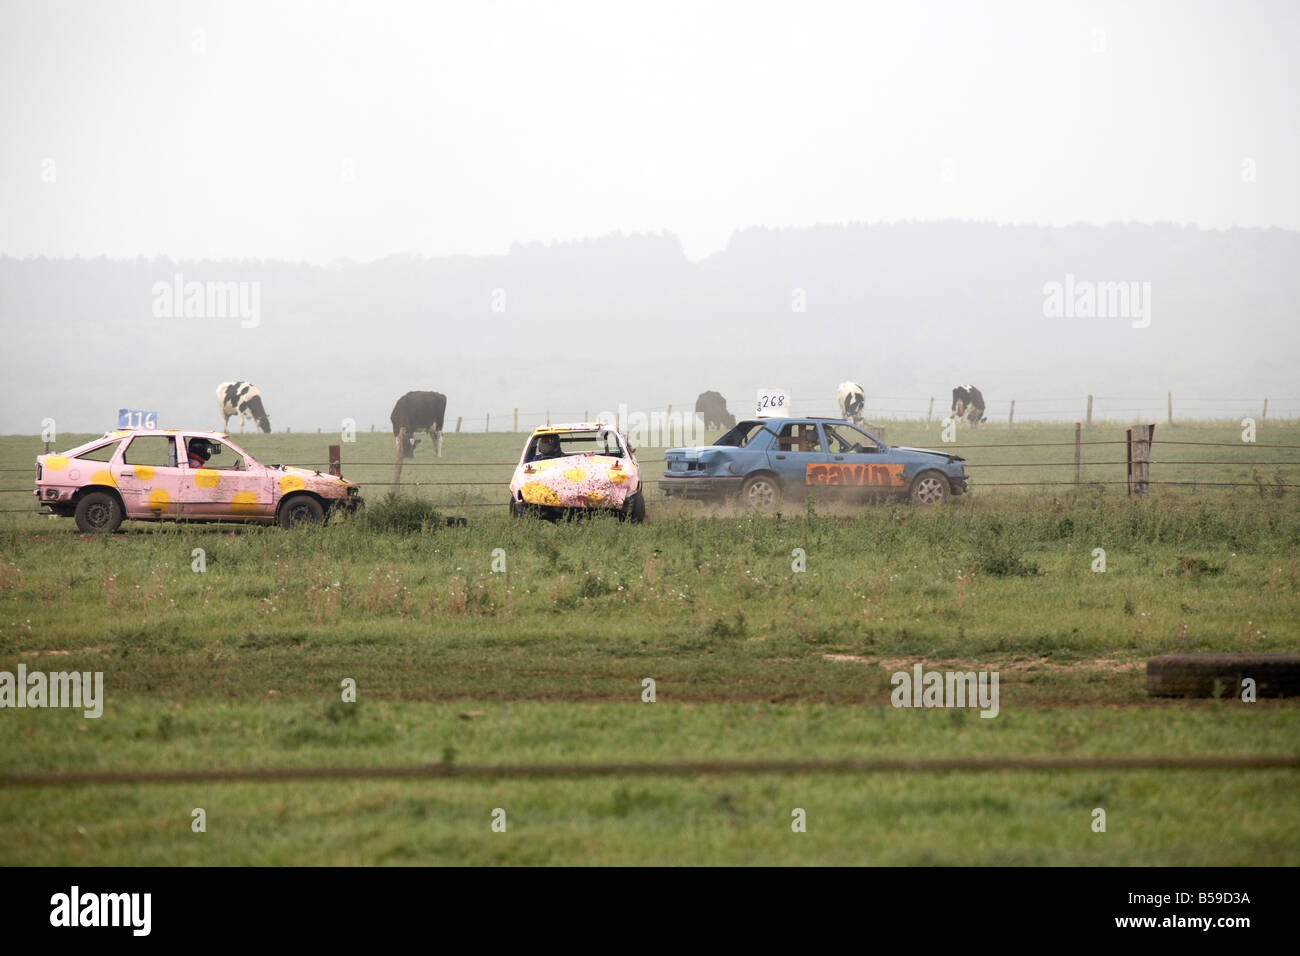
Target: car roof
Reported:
[(805, 418), (574, 427), (123, 432)]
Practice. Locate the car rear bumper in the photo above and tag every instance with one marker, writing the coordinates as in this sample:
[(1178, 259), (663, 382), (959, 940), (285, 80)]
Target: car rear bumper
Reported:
[(698, 487)]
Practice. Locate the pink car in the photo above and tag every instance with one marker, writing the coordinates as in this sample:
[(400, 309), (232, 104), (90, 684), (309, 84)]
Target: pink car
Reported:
[(572, 469), (151, 474)]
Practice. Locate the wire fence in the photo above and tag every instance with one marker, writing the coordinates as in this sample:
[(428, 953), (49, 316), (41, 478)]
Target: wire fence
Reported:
[(431, 476), (665, 768)]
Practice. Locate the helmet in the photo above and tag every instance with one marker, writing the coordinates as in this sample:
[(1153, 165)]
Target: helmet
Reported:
[(201, 448), (548, 444)]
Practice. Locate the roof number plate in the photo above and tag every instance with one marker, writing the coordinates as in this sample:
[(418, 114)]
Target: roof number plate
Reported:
[(136, 418)]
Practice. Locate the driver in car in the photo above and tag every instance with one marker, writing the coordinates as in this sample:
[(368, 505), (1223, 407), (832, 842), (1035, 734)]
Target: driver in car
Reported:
[(199, 452), (548, 446), (834, 438)]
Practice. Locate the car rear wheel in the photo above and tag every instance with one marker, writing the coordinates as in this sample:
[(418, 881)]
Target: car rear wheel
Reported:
[(300, 510), (98, 513), (930, 488), (635, 509), (761, 491)]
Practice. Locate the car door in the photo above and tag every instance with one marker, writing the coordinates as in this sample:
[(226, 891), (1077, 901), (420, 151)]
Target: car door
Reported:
[(231, 486), (148, 478), (858, 465), (797, 455)]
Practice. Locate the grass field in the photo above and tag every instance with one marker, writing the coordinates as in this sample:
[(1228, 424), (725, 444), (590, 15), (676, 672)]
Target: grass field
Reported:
[(240, 665)]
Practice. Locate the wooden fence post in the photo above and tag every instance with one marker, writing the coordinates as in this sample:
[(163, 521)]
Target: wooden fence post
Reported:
[(372, 428), (930, 413), (1139, 458), (1011, 422), (1078, 434), (1171, 409), (548, 418), (487, 422), (516, 425), (1089, 417), (402, 437), (336, 461), (457, 423), (586, 416), (1264, 413)]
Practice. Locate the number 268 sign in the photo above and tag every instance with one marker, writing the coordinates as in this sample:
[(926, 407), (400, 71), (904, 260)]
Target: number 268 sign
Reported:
[(773, 403)]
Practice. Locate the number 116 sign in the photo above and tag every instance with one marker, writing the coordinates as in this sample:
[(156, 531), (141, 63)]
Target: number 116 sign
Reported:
[(136, 418), (773, 403)]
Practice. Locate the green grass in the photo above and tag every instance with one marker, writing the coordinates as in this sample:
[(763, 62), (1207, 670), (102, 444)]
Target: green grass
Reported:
[(240, 666)]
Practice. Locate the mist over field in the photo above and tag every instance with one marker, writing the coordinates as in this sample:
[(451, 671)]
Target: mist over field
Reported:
[(908, 310), (567, 206)]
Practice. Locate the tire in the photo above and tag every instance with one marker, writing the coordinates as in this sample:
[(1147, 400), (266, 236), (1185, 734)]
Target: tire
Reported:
[(98, 513), (930, 488), (635, 509), (516, 510), (762, 492), (299, 510), (1220, 675)]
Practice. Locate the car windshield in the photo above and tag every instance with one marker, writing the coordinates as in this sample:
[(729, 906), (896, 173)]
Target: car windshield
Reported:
[(563, 444), (741, 435)]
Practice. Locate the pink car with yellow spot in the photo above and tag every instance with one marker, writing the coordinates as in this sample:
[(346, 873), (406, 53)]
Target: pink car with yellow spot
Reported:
[(570, 469), (155, 474)]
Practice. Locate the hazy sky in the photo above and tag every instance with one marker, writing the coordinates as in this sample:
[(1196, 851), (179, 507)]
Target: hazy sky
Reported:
[(319, 130)]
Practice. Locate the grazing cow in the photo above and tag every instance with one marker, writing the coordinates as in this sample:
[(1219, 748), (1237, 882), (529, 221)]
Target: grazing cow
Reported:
[(418, 412), (244, 400), (713, 408), (968, 404), (852, 401)]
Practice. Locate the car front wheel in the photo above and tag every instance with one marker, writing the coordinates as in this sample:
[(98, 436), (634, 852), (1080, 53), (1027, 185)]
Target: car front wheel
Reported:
[(301, 509), (930, 488), (761, 491)]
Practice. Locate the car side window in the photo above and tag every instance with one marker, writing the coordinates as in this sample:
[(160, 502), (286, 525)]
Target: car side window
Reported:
[(158, 451), (846, 439), (798, 436), (102, 453), (226, 462), (836, 442)]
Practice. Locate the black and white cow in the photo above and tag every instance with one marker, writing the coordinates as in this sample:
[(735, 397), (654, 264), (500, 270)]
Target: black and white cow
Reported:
[(968, 404), (244, 400), (852, 399), (712, 407), (418, 412)]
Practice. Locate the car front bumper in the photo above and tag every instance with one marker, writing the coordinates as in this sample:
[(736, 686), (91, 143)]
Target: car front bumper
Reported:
[(348, 504)]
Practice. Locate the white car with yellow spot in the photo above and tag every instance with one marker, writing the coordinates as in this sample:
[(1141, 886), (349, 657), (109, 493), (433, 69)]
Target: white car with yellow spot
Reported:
[(150, 475), (572, 469)]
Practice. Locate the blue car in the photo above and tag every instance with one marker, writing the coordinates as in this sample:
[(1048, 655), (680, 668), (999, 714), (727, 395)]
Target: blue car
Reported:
[(762, 461)]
